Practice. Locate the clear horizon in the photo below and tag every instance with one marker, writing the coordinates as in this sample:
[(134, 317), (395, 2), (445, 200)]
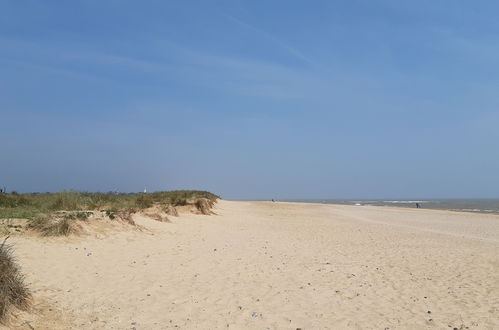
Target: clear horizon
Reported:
[(251, 99)]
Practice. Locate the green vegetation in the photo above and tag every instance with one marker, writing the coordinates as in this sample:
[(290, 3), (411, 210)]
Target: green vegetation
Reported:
[(54, 213), (50, 226), (13, 291), (31, 205)]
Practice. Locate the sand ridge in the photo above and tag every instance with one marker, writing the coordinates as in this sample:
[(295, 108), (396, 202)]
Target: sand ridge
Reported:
[(263, 265)]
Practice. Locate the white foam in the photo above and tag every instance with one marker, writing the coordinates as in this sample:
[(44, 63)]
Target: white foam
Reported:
[(405, 202)]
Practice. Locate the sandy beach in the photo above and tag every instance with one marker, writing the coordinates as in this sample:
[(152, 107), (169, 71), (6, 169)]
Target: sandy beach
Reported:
[(263, 265)]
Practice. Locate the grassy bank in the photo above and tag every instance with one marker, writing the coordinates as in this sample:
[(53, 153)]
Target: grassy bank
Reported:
[(27, 206), (55, 214)]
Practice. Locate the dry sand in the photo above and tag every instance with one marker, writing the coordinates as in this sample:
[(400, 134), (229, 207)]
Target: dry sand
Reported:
[(262, 265)]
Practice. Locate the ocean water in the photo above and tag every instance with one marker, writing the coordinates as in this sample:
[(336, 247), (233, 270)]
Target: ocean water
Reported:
[(467, 205)]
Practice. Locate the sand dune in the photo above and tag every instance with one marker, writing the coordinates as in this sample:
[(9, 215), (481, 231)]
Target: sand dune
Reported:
[(259, 265)]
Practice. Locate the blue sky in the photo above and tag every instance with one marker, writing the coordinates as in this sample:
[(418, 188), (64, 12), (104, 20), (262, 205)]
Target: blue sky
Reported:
[(251, 99)]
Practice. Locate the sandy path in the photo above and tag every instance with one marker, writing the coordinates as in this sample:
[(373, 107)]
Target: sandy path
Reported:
[(259, 265)]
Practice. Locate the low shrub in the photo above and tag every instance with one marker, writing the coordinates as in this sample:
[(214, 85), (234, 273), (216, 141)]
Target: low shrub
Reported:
[(144, 201)]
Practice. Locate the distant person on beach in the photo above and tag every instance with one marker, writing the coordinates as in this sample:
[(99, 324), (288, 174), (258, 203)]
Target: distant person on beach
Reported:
[(418, 206)]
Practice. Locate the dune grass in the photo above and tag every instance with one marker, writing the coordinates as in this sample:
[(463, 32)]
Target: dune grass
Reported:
[(31, 205), (43, 210), (13, 291), (52, 226), (204, 205)]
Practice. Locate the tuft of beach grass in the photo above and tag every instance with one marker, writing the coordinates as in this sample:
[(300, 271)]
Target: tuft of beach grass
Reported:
[(13, 291)]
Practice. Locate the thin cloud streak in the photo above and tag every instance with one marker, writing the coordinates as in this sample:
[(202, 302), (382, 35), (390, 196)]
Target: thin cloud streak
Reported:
[(293, 51)]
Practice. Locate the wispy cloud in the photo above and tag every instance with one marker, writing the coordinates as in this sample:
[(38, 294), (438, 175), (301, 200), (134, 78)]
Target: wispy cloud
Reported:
[(172, 61), (291, 50)]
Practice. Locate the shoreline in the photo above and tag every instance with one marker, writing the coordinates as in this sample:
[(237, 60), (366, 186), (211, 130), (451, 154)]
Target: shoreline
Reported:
[(491, 212)]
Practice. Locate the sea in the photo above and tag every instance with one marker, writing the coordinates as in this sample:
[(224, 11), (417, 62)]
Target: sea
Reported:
[(463, 205)]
